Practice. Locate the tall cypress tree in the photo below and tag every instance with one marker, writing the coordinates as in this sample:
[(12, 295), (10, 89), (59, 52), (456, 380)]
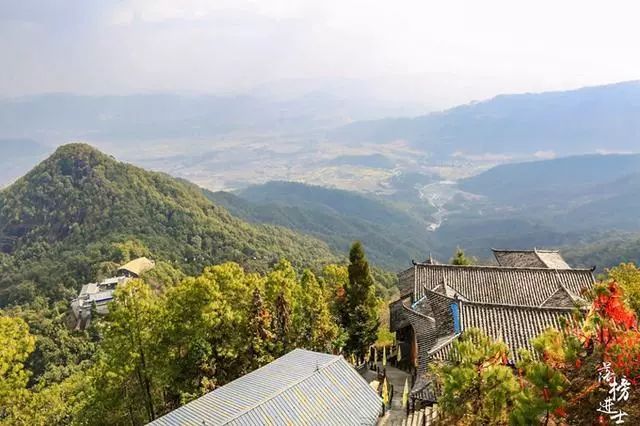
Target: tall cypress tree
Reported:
[(361, 304), (260, 333)]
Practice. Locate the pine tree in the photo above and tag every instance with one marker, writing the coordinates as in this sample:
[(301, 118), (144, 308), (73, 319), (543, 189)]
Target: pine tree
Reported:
[(477, 385), (460, 259), (361, 305)]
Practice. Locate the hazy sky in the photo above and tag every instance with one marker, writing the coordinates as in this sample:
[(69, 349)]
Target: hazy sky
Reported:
[(435, 52)]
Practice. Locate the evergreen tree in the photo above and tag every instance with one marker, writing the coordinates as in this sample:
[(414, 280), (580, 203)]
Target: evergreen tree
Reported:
[(541, 395), (282, 323), (460, 259), (361, 305), (477, 385)]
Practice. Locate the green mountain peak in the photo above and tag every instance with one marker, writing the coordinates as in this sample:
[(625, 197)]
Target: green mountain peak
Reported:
[(72, 212)]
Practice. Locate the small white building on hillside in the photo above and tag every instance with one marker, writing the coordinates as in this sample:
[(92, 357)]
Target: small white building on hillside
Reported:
[(101, 293)]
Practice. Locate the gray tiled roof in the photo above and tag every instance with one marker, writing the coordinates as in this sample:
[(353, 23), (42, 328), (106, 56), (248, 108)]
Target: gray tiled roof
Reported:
[(531, 258), (514, 325), (553, 260), (513, 303), (301, 388), (502, 285)]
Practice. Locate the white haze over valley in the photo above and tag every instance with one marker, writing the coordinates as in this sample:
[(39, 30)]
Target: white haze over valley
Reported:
[(430, 54)]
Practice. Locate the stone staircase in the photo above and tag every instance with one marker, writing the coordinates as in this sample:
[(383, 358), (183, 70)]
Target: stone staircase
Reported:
[(424, 417)]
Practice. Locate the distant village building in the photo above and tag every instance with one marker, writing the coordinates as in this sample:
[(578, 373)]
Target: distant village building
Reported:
[(300, 388), (526, 293), (98, 295)]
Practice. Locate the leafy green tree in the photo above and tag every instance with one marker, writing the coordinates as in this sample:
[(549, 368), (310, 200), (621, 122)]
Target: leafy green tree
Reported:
[(461, 259), (64, 403), (282, 324), (283, 289), (130, 362), (335, 279), (207, 330), (360, 318), (627, 275), (477, 386), (16, 344), (320, 329)]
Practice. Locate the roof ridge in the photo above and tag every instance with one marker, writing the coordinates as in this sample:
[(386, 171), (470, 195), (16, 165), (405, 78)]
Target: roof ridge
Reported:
[(432, 290), (498, 267), (539, 258), (418, 313), (511, 305), (508, 305), (335, 359), (535, 249), (444, 343)]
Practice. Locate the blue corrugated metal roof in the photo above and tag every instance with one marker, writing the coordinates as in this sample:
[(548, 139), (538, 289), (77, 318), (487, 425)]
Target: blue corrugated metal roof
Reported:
[(300, 388)]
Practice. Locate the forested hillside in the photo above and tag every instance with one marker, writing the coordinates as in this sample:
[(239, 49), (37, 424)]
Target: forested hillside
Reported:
[(80, 213), (556, 178), (392, 236)]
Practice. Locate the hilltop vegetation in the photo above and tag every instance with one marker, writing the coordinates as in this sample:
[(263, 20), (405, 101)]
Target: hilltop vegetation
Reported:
[(79, 213)]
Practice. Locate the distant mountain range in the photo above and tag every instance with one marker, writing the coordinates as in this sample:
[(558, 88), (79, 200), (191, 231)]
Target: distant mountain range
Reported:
[(61, 117), (220, 141), (574, 203), (587, 120)]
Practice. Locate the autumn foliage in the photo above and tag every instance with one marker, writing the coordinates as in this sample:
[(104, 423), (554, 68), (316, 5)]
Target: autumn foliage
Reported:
[(615, 331), (607, 332), (559, 383)]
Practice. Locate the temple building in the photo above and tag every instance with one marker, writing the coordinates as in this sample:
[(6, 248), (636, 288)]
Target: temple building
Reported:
[(514, 301), (96, 296)]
